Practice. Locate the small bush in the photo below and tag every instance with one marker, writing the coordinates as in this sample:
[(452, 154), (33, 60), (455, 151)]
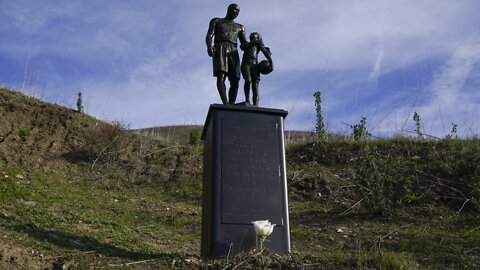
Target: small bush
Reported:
[(382, 180), (389, 175), (320, 125), (384, 260), (107, 142), (194, 137), (23, 133), (359, 131), (418, 131), (79, 103)]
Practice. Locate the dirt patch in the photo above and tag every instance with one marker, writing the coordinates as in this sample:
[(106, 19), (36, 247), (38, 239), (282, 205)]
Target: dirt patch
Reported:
[(40, 136), (32, 133), (12, 257)]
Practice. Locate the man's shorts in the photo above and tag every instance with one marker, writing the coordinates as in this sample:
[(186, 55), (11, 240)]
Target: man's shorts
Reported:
[(226, 60)]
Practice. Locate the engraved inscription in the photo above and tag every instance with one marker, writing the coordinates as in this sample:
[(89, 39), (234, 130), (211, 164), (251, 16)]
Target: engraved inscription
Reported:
[(251, 182)]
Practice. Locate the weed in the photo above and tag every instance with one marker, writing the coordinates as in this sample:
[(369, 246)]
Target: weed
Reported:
[(386, 260), (390, 174), (319, 125), (79, 102), (3, 163), (107, 142), (453, 132), (302, 233), (23, 133), (410, 199), (382, 180), (359, 131), (416, 118), (194, 137)]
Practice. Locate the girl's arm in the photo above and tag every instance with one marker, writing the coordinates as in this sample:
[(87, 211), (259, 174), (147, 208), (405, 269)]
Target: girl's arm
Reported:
[(267, 53)]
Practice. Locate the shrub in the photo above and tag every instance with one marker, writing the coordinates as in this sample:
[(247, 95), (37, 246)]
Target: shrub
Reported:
[(388, 175), (382, 181), (23, 133), (194, 137), (359, 131), (79, 102), (107, 142), (320, 125)]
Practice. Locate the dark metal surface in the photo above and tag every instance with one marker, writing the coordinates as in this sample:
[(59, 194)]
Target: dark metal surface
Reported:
[(251, 69), (244, 179), (250, 162), (224, 32)]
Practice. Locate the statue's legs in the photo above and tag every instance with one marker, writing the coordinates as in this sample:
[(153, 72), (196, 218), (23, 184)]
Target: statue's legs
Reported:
[(233, 91), (222, 88), (256, 98), (246, 89)]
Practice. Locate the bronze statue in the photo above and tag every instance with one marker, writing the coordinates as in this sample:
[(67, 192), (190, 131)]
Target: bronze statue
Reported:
[(251, 69), (226, 62)]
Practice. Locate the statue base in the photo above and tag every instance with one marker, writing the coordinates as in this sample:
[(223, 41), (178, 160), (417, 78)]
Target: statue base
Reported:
[(244, 179)]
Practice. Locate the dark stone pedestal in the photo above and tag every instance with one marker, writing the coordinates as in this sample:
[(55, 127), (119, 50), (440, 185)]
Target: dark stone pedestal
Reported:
[(244, 179)]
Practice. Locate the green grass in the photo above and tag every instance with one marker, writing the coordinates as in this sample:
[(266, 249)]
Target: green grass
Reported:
[(61, 216), (23, 133)]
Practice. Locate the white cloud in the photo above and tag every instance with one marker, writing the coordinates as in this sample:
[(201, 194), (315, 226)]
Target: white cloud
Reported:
[(450, 101), (156, 94), (377, 65), (153, 53), (347, 33)]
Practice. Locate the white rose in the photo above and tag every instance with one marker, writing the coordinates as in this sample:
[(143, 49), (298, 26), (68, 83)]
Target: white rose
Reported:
[(263, 227)]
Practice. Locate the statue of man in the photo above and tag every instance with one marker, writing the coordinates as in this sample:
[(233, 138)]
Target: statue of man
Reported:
[(226, 62)]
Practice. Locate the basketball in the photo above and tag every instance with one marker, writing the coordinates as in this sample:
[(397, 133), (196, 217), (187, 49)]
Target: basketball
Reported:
[(264, 67)]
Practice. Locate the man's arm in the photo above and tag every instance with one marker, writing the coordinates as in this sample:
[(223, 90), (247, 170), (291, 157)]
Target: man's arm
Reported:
[(209, 37), (247, 45), (241, 36)]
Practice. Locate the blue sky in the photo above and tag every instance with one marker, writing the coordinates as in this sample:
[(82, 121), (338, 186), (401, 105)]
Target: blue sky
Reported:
[(145, 62)]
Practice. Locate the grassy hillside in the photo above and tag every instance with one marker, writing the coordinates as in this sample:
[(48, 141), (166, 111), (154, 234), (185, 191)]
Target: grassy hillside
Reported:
[(173, 134), (76, 193), (181, 134)]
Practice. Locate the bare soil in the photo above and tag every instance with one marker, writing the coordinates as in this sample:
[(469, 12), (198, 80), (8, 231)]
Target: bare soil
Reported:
[(12, 257), (34, 134)]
